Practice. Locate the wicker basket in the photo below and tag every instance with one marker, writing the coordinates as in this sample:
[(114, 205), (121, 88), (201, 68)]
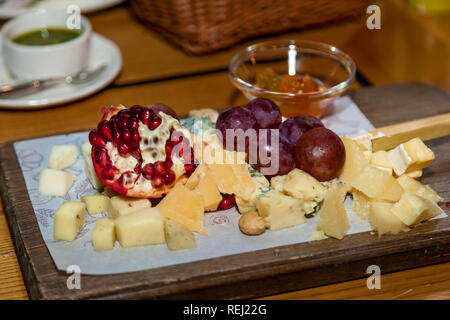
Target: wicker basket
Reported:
[(201, 26)]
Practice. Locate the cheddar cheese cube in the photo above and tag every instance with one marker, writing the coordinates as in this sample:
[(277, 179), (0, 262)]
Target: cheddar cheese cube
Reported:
[(69, 220), (140, 228), (121, 206), (103, 234)]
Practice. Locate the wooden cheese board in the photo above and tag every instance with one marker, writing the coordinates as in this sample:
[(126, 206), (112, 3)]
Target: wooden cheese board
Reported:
[(263, 272)]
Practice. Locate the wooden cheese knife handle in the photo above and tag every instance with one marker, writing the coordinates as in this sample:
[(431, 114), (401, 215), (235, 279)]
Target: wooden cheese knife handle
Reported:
[(426, 129)]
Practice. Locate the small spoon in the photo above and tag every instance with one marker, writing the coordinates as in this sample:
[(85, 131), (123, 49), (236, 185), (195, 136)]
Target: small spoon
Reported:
[(78, 78)]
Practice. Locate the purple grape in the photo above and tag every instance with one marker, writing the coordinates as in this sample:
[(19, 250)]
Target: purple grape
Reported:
[(293, 128), (267, 113), (232, 119), (264, 158)]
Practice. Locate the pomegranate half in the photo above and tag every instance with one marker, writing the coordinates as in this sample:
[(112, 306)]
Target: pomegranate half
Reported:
[(139, 153)]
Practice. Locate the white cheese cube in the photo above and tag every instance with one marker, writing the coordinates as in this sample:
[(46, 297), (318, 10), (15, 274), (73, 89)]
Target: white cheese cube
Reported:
[(363, 138), (140, 228), (54, 182), (103, 234), (400, 159), (62, 156), (121, 206), (69, 220), (96, 203)]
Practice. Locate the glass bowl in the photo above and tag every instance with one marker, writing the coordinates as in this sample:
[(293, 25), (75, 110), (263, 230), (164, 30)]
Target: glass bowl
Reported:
[(331, 68)]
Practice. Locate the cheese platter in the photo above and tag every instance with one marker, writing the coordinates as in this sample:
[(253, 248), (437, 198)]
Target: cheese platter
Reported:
[(190, 197)]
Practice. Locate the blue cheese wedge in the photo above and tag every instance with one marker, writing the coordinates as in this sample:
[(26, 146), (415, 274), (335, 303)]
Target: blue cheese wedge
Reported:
[(278, 210)]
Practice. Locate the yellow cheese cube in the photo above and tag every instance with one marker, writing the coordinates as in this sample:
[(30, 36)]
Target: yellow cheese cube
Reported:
[(69, 220), (121, 206), (355, 161), (140, 228), (103, 234), (332, 215), (361, 204), (184, 206), (280, 211), (414, 186), (178, 237), (409, 208), (378, 185), (54, 182), (383, 220), (96, 203), (301, 185), (413, 209), (420, 154)]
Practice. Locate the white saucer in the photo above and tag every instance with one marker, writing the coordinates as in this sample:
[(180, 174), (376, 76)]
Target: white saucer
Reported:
[(103, 51), (85, 6)]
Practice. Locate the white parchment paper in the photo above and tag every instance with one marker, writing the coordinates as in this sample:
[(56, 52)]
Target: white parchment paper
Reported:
[(224, 237)]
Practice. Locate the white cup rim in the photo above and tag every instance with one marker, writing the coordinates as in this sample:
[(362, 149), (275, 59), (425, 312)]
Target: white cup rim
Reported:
[(86, 30)]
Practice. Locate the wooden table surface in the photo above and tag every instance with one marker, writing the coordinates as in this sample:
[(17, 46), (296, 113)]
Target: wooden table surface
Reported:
[(409, 47)]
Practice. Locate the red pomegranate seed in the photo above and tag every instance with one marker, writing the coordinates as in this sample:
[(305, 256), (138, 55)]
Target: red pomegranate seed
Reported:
[(160, 168), (95, 139), (126, 136), (116, 137), (228, 201), (169, 177), (108, 173), (135, 138), (133, 124), (154, 123), (123, 123), (104, 130), (157, 182), (123, 148), (100, 157), (146, 115), (136, 109), (148, 171)]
